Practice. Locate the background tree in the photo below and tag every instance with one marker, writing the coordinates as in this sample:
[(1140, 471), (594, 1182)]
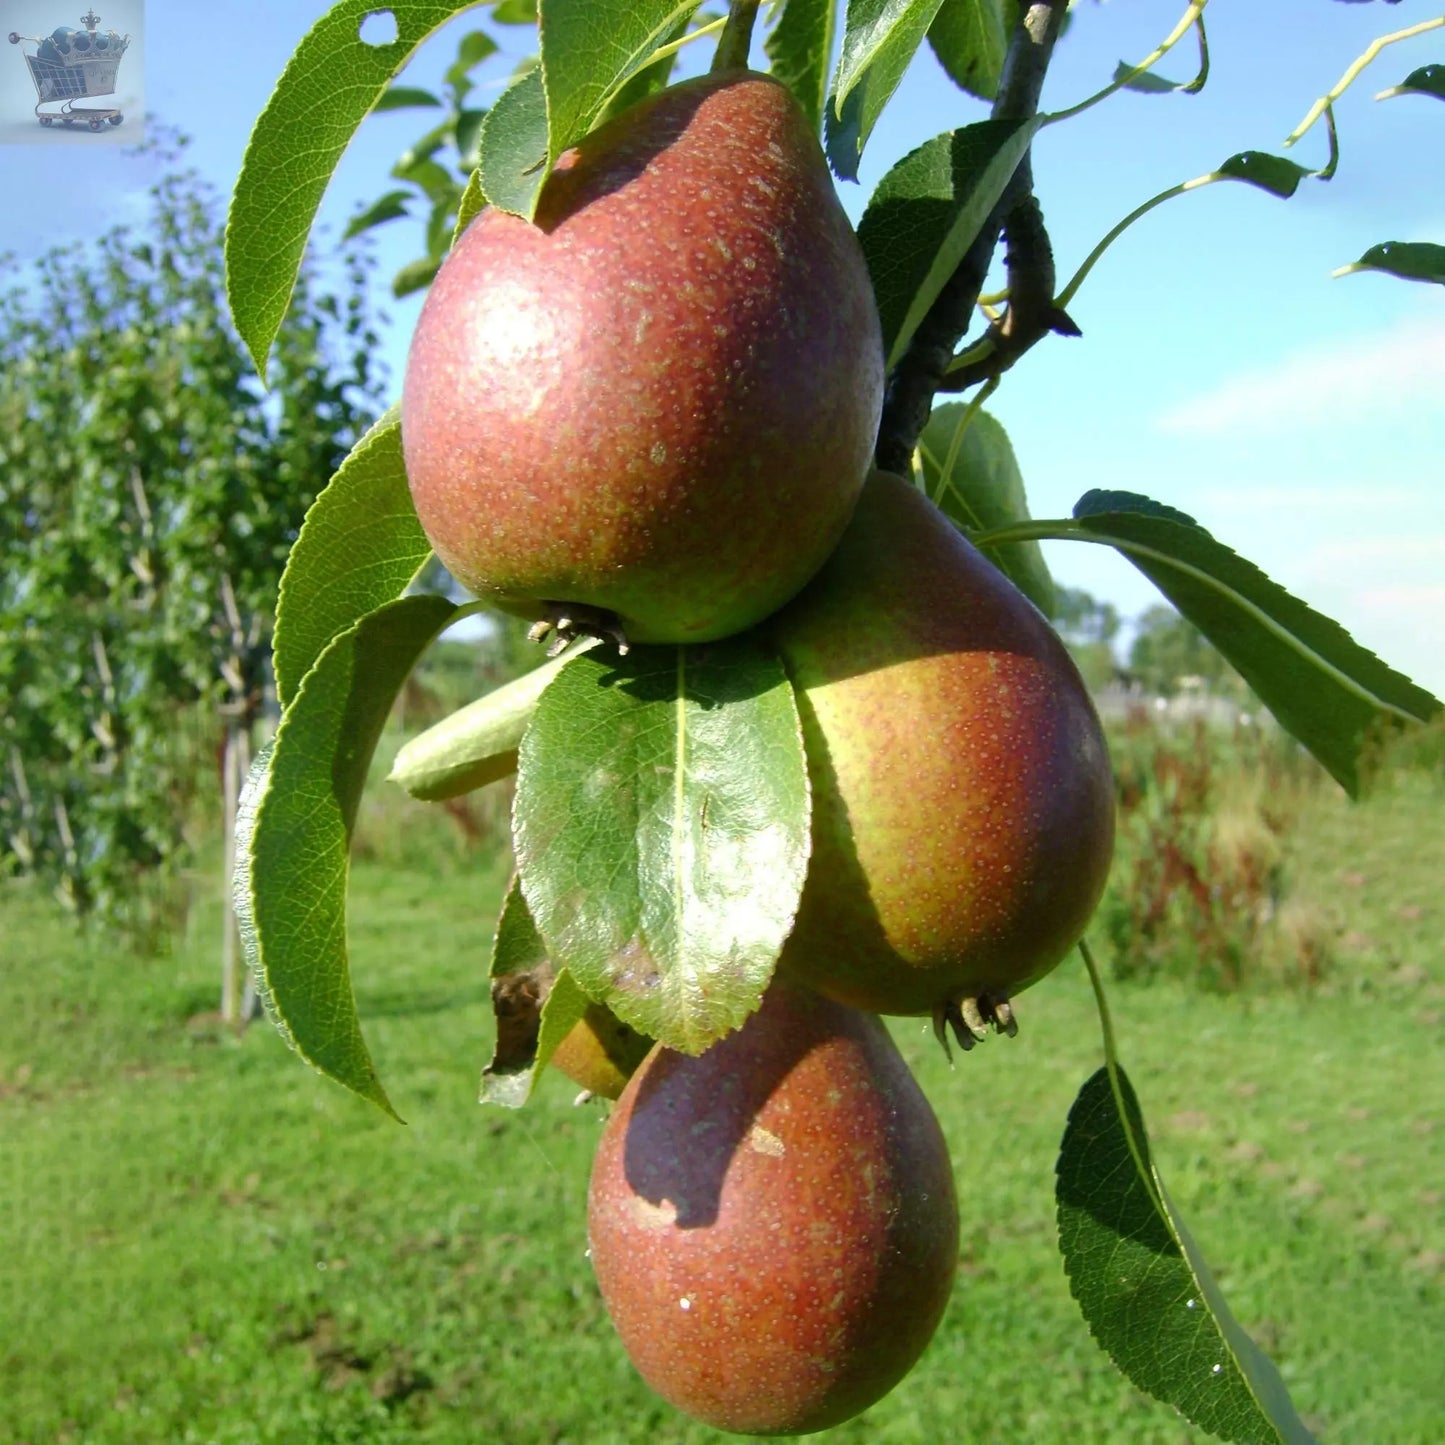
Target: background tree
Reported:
[(150, 488), (1168, 648)]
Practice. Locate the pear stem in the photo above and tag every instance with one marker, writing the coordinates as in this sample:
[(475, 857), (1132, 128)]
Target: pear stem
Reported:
[(736, 41)]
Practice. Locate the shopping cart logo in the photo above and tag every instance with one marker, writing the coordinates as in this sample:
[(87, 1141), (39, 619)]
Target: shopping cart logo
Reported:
[(70, 66)]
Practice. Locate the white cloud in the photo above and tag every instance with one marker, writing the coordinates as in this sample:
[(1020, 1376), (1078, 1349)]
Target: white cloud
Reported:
[(1391, 372)]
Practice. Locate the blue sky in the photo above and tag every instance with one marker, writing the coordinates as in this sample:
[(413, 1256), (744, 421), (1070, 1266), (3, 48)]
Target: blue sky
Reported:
[(1221, 368)]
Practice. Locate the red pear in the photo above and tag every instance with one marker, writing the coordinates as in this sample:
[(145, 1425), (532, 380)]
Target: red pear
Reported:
[(773, 1222), (963, 808), (661, 398)]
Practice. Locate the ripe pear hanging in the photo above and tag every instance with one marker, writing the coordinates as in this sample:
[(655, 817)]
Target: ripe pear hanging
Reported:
[(963, 804), (661, 398), (773, 1222)]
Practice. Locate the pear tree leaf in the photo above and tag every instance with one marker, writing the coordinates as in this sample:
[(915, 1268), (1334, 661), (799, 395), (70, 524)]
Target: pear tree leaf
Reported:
[(469, 137), (970, 39), (974, 478), (1275, 174), (1146, 82), (799, 48), (405, 97), (290, 879), (1427, 80), (478, 743), (661, 831), (473, 48), (535, 1007), (430, 177), (512, 156), (471, 205), (589, 51), (880, 39), (1332, 694), (389, 207), (1143, 1286), (647, 79), (926, 213), (331, 83), (1409, 260), (515, 12), (415, 276), (359, 547)]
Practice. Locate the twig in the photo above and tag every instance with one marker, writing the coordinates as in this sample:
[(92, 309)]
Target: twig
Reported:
[(922, 368)]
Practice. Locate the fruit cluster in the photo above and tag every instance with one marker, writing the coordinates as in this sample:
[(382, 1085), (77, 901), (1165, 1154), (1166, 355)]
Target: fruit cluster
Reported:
[(651, 414)]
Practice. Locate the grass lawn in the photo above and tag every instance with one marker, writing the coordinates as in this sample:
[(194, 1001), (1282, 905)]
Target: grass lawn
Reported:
[(201, 1240)]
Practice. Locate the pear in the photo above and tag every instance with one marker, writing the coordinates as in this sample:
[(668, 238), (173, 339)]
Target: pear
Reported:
[(773, 1222), (660, 399), (963, 807)]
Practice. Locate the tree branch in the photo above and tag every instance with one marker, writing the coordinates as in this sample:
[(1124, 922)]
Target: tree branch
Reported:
[(924, 366)]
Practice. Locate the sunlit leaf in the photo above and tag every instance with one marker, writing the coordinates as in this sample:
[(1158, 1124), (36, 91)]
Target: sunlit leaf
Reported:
[(589, 51), (331, 83), (974, 478), (1143, 1286), (799, 49), (880, 39), (291, 875), (360, 546), (926, 213), (1337, 698), (970, 39), (661, 830), (512, 157)]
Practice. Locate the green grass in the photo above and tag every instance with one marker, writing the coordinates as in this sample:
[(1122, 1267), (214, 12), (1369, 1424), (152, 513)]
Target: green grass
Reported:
[(201, 1240)]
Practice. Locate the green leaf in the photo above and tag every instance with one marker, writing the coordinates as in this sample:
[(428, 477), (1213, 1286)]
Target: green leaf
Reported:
[(360, 546), (970, 39), (974, 478), (661, 830), (1427, 80), (1270, 173), (799, 48), (1409, 260), (471, 205), (473, 48), (926, 213), (291, 875), (1143, 1286), (648, 79), (468, 137), (1322, 686), (534, 1007), (432, 178), (512, 157), (403, 97), (1146, 82), (415, 276), (515, 12), (880, 39), (589, 51), (477, 744), (329, 86), (389, 207)]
